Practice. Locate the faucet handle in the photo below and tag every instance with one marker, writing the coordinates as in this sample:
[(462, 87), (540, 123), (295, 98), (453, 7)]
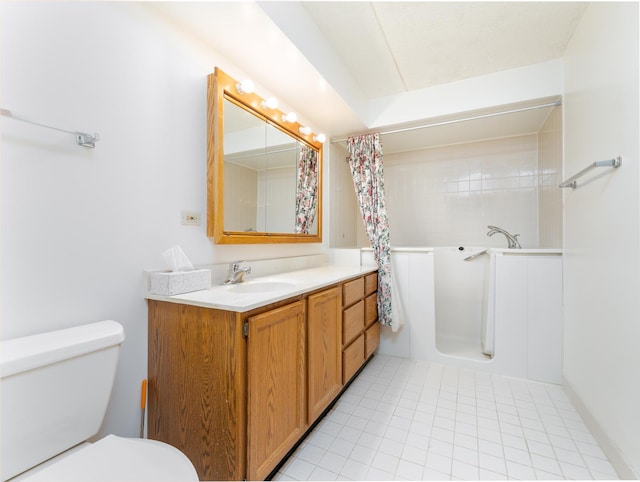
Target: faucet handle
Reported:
[(515, 236)]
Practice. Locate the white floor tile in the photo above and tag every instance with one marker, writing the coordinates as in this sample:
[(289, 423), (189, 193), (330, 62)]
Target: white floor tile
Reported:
[(590, 449), (519, 471), (370, 440), (442, 434), (438, 462), (465, 455), (414, 454), (574, 472), (391, 447), (298, 469), (441, 448), (320, 439), (464, 471), (492, 463), (409, 470), (342, 447), (354, 470), (546, 464), (377, 474), (599, 466), (488, 475), (311, 453), (463, 440), (490, 448), (430, 474), (415, 420), (362, 454), (332, 462), (541, 449), (517, 455), (320, 473)]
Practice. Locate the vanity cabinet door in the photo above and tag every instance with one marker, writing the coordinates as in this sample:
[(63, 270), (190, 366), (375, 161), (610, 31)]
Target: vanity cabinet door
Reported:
[(276, 386), (324, 350)]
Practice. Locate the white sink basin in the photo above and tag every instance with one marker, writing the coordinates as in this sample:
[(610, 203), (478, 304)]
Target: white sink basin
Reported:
[(261, 286)]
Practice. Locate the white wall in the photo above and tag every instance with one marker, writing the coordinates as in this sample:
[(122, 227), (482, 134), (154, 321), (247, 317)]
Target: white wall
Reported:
[(80, 225), (602, 263)]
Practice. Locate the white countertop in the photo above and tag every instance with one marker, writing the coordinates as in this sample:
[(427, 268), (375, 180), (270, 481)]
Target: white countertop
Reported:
[(283, 286)]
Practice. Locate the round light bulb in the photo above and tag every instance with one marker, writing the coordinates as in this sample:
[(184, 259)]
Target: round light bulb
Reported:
[(245, 87), (270, 103), (321, 138), (305, 130), (290, 117)]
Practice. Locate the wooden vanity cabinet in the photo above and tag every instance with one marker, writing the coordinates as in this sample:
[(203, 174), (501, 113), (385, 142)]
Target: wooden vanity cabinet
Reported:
[(236, 391), (360, 332)]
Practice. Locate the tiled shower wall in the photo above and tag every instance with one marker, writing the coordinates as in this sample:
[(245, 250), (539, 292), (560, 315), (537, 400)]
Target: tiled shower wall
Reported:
[(447, 196), (549, 176)]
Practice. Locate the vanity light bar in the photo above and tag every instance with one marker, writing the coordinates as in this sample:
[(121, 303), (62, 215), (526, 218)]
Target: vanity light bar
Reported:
[(247, 87)]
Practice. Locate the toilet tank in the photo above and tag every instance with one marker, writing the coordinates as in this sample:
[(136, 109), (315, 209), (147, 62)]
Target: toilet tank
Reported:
[(55, 388)]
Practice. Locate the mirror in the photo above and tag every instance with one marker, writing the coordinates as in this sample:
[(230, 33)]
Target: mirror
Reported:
[(264, 177)]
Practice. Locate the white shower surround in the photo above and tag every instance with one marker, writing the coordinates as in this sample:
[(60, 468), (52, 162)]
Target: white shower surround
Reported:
[(528, 312)]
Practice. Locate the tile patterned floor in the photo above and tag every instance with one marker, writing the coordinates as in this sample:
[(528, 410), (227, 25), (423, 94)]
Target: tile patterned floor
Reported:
[(413, 420)]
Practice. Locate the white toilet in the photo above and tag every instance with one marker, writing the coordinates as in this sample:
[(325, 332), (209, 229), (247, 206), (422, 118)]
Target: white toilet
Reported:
[(55, 390)]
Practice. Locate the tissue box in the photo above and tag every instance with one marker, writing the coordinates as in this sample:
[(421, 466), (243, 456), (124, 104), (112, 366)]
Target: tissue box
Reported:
[(175, 283)]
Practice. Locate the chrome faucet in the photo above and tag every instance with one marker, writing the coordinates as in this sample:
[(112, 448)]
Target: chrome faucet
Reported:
[(236, 273), (512, 239)]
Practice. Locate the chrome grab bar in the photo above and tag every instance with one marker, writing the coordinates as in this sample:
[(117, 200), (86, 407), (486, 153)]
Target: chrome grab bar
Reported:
[(476, 255), (571, 182)]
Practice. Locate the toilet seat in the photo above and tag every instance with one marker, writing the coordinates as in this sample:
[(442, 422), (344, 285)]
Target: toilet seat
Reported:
[(120, 459)]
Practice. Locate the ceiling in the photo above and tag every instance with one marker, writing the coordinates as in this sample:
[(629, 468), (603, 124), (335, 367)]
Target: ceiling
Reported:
[(403, 46), (329, 59)]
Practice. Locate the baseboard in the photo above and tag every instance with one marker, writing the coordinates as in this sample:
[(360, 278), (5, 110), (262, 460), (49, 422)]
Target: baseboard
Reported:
[(606, 444)]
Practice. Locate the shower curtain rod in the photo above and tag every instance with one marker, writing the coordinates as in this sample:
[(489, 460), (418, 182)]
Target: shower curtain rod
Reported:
[(82, 138), (464, 119)]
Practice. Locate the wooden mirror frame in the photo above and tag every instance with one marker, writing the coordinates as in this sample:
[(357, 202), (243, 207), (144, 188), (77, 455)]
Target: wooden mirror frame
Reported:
[(219, 86)]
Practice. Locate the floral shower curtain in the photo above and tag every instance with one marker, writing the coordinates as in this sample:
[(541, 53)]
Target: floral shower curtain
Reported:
[(365, 162), (306, 190)]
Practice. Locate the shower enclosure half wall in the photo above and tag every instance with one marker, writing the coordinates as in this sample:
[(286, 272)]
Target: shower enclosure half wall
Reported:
[(497, 310)]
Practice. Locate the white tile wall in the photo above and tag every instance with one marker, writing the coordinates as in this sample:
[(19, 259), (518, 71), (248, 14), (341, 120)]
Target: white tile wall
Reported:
[(446, 196), (549, 176)]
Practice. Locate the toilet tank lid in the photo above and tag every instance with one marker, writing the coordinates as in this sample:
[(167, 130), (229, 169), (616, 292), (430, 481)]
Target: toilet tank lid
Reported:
[(26, 353)]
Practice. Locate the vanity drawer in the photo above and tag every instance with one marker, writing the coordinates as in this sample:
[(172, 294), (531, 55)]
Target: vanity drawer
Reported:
[(370, 283), (352, 322), (352, 358), (371, 339), (352, 291), (370, 309)]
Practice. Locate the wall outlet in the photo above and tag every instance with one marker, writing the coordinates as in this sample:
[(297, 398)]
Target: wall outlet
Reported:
[(190, 218)]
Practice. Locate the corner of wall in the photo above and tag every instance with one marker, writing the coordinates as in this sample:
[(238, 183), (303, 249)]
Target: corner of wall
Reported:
[(606, 443)]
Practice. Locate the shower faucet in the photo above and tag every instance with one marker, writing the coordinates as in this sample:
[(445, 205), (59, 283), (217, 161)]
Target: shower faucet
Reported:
[(512, 239)]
